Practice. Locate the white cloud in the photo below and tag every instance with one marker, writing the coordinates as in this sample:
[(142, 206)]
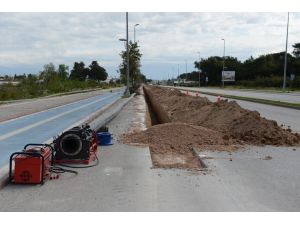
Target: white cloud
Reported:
[(29, 40)]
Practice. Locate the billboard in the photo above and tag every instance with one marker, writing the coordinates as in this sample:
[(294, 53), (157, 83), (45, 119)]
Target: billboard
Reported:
[(228, 75)]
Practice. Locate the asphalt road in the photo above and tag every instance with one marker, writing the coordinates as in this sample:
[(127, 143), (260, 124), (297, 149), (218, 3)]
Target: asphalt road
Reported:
[(44, 125), (125, 181), (28, 106), (275, 96)]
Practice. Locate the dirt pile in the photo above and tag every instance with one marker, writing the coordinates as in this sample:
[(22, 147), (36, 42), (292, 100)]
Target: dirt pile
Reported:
[(233, 121), (197, 123), (172, 144)]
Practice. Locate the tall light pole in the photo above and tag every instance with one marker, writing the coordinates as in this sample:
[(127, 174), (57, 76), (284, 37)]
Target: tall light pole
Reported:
[(127, 55), (134, 31), (223, 62), (285, 56), (199, 67), (185, 66)]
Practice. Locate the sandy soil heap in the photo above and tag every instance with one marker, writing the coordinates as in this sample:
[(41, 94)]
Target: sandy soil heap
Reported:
[(227, 117), (197, 123), (172, 144)]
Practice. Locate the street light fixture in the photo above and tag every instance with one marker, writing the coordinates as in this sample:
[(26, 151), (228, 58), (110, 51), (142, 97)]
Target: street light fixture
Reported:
[(134, 31), (223, 62)]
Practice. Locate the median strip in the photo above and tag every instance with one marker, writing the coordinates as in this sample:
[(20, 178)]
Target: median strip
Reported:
[(249, 99)]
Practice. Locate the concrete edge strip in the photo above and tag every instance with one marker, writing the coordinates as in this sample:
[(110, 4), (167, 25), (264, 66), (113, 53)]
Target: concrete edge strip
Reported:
[(4, 170), (249, 99), (196, 154)]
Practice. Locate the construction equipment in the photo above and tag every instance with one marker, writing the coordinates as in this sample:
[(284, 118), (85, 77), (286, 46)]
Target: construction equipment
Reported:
[(77, 145), (32, 165)]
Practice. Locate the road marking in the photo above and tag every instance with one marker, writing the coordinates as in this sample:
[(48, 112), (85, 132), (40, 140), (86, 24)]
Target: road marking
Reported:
[(8, 135)]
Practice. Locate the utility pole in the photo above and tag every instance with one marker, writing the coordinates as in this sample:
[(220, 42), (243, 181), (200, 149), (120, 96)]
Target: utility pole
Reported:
[(127, 55), (199, 67), (285, 56), (223, 62), (185, 66)]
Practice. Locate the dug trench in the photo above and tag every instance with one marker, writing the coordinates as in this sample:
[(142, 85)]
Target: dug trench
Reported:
[(180, 124)]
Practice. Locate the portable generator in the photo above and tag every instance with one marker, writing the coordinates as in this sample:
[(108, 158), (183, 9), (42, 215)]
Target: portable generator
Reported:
[(32, 165), (77, 145)]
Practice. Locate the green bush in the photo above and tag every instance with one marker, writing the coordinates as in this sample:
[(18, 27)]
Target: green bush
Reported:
[(273, 81), (31, 87)]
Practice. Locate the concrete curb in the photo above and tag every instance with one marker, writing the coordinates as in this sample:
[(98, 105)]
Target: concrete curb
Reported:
[(107, 115), (96, 120)]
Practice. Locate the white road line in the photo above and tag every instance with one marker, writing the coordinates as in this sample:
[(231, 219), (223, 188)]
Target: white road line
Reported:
[(8, 135)]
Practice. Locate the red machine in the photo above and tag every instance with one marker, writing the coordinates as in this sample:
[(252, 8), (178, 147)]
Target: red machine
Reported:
[(32, 165)]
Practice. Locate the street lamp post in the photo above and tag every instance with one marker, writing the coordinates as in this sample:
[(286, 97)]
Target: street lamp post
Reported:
[(223, 62), (127, 55), (185, 66), (285, 56), (134, 31), (199, 68)]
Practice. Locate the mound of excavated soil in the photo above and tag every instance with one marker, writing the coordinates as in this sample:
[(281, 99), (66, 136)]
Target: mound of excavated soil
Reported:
[(171, 144), (227, 117)]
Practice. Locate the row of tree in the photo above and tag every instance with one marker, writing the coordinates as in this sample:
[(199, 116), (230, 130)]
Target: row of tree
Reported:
[(56, 80), (263, 67), (79, 72)]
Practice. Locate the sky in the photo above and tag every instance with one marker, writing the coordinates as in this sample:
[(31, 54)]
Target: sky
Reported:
[(168, 41)]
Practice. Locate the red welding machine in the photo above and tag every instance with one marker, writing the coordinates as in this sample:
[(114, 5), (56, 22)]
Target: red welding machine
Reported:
[(32, 165)]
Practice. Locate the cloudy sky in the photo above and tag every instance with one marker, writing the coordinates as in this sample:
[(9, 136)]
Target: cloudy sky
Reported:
[(30, 40)]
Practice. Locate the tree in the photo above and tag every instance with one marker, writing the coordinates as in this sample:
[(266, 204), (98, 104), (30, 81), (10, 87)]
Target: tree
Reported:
[(296, 51), (63, 71), (96, 72), (47, 72), (79, 72), (134, 64)]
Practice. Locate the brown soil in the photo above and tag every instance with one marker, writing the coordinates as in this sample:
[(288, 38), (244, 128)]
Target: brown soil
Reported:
[(197, 123), (172, 144), (227, 117)]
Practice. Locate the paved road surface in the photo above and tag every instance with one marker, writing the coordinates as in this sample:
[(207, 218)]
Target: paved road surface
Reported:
[(275, 96), (44, 125), (24, 107), (124, 181)]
